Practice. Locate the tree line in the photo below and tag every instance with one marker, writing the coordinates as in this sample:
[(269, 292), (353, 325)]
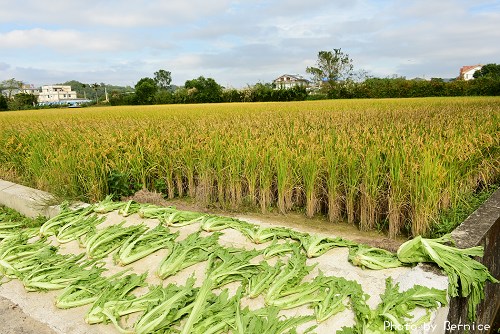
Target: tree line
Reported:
[(332, 77), (205, 90)]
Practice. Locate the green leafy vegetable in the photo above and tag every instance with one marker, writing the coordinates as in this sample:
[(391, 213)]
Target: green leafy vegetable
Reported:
[(259, 282), (18, 256), (114, 310), (57, 272), (362, 314), (155, 212), (277, 249), (335, 294), (301, 294), (163, 315), (85, 291), (13, 232), (110, 238), (218, 314), (11, 224), (396, 305), (464, 273), (129, 208), (266, 321), (316, 245), (217, 223), (140, 245), (193, 249), (108, 205), (393, 312), (77, 227), (180, 218), (117, 292), (228, 267), (258, 234), (19, 247), (290, 275), (373, 258), (67, 215), (199, 305)]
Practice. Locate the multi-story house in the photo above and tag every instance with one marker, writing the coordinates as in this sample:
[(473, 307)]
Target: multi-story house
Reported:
[(289, 81), (56, 94)]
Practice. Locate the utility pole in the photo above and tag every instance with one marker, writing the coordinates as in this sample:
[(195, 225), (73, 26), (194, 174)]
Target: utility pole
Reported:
[(106, 94)]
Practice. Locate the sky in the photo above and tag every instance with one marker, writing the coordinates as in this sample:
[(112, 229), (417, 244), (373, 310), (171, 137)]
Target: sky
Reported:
[(240, 42)]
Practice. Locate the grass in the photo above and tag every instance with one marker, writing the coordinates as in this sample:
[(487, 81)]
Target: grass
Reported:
[(450, 218), (395, 163), (9, 215)]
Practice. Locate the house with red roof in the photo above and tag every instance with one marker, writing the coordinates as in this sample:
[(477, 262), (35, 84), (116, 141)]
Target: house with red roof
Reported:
[(467, 72)]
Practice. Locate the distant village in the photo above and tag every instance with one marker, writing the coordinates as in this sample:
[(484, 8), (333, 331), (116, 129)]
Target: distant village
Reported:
[(53, 94), (61, 94)]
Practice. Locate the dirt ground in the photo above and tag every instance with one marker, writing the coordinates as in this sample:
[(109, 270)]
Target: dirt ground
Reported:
[(14, 321)]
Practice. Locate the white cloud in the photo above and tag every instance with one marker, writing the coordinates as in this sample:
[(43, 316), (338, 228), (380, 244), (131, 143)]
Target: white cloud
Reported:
[(111, 13), (4, 66), (242, 41), (62, 40)]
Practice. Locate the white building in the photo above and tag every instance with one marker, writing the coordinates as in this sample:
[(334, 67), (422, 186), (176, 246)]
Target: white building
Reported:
[(288, 81), (56, 94), (29, 89), (467, 72), (11, 91)]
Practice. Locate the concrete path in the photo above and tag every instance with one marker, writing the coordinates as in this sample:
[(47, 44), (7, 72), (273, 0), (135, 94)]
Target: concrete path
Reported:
[(39, 306)]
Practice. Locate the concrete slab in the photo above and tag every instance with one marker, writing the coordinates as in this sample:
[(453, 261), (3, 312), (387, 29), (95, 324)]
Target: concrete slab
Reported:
[(28, 201), (334, 262), (40, 306), (14, 321), (5, 184)]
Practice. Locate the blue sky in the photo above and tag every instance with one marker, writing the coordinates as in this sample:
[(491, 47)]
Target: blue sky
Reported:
[(240, 42)]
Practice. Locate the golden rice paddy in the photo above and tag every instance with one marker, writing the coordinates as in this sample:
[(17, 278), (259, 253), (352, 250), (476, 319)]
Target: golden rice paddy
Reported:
[(376, 163)]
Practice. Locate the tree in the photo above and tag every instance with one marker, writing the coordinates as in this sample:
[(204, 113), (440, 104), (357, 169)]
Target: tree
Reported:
[(95, 86), (145, 90), (262, 92), (10, 86), (204, 90), (488, 71), (84, 92), (163, 79), (24, 101), (331, 69), (3, 103)]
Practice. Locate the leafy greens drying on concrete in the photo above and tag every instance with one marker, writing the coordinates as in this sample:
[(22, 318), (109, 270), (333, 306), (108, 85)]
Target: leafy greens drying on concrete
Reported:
[(467, 277), (393, 312), (140, 245), (373, 258), (283, 273), (187, 252), (110, 238)]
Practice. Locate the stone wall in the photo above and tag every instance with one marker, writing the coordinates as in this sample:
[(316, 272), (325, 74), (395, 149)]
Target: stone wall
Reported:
[(481, 228)]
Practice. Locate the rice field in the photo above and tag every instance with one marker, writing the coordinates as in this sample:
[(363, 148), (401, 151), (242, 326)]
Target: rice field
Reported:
[(380, 164)]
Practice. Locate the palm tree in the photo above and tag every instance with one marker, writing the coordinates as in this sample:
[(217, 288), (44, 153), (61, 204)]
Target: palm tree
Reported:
[(94, 87), (84, 92)]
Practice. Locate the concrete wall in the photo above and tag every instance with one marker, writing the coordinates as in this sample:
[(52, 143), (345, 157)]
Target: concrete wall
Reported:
[(481, 228), (30, 202)]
